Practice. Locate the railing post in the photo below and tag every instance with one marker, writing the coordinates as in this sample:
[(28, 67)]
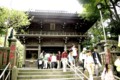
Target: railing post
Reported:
[(14, 73), (3, 77), (10, 72)]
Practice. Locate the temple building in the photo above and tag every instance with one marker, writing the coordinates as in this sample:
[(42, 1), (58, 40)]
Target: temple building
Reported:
[(53, 31)]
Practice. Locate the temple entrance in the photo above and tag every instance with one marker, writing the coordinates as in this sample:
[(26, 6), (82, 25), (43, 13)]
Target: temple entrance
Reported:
[(31, 54), (31, 58), (52, 49)]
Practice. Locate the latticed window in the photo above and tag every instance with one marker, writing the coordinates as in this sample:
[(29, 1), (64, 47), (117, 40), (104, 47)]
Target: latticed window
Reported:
[(52, 26)]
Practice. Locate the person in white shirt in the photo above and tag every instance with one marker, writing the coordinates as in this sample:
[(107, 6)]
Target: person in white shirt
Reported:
[(89, 64), (71, 60), (46, 60), (53, 60), (117, 64), (82, 58), (74, 53)]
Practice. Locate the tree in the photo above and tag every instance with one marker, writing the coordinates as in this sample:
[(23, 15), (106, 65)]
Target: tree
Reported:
[(108, 11), (12, 18), (90, 11)]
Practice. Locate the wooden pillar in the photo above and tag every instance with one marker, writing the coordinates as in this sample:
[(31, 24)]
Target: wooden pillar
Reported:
[(65, 47), (65, 44), (79, 48), (39, 47), (39, 50)]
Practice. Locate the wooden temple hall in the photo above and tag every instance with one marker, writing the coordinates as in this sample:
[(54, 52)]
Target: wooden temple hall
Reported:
[(53, 31)]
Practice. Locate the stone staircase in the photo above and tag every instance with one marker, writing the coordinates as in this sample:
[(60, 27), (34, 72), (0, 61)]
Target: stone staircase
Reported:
[(45, 74)]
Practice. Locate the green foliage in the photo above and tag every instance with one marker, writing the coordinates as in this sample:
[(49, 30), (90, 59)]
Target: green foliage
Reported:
[(97, 32), (20, 53), (3, 16), (12, 18), (92, 13), (18, 19), (115, 27), (90, 9)]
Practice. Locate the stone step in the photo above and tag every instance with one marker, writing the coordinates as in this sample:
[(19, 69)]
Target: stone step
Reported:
[(45, 74), (54, 79), (40, 70)]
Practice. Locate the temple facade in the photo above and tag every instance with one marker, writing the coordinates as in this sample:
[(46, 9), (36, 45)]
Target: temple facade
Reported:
[(52, 31)]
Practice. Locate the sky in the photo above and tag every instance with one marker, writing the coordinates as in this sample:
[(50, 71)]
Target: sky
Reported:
[(25, 5)]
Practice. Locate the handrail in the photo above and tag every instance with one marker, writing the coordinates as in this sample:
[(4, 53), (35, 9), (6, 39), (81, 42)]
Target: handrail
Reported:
[(116, 77), (82, 73), (74, 69), (2, 76)]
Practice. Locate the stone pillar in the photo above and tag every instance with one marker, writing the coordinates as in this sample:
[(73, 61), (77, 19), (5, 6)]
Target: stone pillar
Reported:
[(12, 55), (14, 73)]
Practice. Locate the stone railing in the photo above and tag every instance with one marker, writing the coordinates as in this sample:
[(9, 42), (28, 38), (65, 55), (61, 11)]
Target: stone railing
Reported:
[(54, 33)]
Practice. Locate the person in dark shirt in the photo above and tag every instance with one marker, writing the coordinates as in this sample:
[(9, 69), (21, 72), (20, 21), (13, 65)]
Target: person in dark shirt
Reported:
[(97, 61), (64, 60), (58, 60)]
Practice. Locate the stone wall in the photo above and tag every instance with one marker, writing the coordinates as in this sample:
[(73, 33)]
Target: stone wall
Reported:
[(4, 53)]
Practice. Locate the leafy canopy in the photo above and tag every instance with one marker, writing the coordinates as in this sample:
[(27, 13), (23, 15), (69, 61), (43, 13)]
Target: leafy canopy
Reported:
[(12, 18), (90, 9)]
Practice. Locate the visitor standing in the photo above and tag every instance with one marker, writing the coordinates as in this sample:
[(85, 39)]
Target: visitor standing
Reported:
[(107, 73), (49, 61), (89, 64), (40, 60), (82, 58), (53, 60), (64, 60), (74, 53), (40, 63), (59, 60), (71, 60), (97, 61)]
